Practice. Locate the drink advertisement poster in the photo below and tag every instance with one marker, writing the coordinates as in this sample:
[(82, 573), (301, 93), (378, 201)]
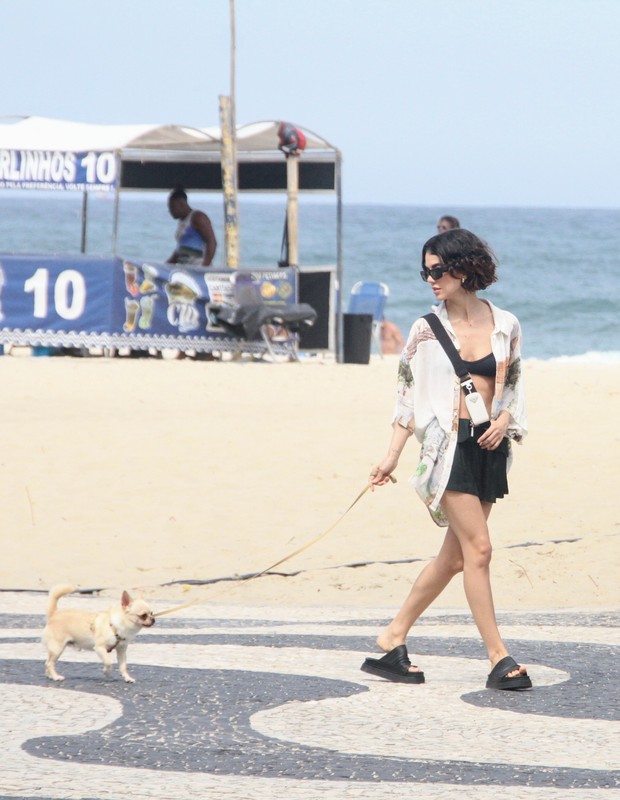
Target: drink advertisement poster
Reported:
[(84, 301)]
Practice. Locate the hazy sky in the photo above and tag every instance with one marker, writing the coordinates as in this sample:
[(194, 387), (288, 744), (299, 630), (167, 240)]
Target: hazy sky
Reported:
[(432, 102)]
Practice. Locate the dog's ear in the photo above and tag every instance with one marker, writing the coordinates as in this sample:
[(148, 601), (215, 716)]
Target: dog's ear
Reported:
[(125, 599)]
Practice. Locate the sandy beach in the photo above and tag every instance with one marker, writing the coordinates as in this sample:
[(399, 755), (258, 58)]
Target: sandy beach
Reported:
[(136, 473)]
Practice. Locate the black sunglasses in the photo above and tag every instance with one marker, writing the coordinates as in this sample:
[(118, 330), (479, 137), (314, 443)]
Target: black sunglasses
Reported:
[(434, 272)]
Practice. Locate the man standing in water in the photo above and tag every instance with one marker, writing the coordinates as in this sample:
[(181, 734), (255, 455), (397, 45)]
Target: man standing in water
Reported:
[(196, 241)]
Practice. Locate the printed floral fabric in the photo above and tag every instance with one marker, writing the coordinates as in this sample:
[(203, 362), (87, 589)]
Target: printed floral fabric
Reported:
[(428, 398)]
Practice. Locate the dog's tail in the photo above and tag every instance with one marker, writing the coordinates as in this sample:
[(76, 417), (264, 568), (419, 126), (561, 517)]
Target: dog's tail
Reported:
[(56, 592)]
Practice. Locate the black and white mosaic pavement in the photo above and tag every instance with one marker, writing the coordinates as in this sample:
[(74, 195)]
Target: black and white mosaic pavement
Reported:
[(233, 705)]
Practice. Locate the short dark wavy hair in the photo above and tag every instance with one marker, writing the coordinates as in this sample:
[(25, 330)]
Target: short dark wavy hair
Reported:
[(467, 256)]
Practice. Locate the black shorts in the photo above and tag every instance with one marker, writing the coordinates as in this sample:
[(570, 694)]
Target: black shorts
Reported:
[(477, 471)]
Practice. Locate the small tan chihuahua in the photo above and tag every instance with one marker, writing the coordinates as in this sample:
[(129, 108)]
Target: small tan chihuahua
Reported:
[(101, 631)]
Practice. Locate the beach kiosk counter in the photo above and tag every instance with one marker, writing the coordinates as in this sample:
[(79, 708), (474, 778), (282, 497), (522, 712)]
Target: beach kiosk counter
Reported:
[(86, 302)]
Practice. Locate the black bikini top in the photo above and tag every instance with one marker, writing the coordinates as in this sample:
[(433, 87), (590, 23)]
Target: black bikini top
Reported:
[(486, 366)]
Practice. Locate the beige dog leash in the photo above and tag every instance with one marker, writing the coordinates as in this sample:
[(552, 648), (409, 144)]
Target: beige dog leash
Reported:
[(272, 566)]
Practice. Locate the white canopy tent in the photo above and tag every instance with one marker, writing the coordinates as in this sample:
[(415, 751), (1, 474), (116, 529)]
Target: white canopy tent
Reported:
[(45, 134), (157, 144)]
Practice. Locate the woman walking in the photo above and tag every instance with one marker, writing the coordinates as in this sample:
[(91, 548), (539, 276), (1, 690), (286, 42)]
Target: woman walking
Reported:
[(463, 462)]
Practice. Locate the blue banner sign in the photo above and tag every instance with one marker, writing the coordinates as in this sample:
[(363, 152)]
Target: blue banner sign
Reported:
[(58, 170), (82, 301)]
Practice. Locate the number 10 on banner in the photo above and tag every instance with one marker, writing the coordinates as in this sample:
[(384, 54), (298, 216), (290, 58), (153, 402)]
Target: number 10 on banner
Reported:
[(69, 293)]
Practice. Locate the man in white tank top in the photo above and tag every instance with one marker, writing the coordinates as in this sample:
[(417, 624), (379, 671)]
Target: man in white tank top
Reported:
[(196, 243)]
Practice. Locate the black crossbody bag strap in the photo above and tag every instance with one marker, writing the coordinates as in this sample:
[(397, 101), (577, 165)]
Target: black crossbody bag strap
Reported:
[(453, 354)]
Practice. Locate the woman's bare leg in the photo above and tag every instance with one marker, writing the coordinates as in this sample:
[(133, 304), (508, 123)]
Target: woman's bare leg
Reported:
[(468, 521), (429, 584)]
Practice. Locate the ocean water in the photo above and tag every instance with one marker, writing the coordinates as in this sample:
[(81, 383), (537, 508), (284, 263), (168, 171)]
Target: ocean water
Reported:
[(559, 268)]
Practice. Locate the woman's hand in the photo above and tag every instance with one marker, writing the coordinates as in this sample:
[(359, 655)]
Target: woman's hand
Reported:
[(381, 473), (492, 437)]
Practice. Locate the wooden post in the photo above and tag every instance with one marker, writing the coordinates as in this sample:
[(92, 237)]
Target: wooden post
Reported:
[(117, 203), (233, 51), (229, 186), (339, 262), (84, 221), (233, 112), (292, 208)]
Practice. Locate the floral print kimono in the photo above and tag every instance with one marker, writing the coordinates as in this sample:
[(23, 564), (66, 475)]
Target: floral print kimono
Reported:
[(428, 398)]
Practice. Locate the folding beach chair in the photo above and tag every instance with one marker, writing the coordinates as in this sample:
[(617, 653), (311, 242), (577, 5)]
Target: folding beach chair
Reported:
[(277, 323), (370, 297)]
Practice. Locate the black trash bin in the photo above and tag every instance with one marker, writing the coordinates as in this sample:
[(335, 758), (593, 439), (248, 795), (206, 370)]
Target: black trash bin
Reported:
[(357, 336)]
